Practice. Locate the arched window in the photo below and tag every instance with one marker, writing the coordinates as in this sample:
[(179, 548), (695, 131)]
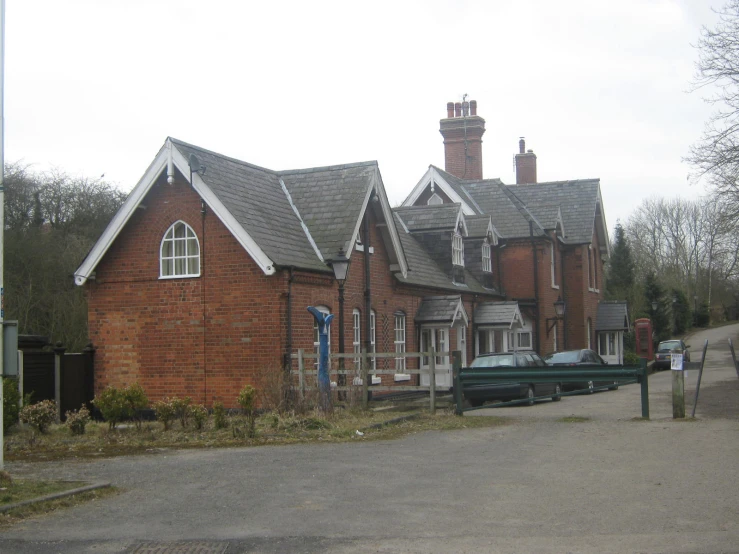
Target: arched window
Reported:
[(179, 254)]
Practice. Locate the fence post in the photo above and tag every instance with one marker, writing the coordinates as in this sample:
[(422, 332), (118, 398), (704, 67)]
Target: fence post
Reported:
[(456, 383), (432, 381), (301, 373), (644, 380), (678, 393), (58, 355), (365, 375)]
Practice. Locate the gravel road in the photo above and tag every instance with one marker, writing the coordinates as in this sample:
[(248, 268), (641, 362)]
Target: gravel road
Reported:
[(612, 483)]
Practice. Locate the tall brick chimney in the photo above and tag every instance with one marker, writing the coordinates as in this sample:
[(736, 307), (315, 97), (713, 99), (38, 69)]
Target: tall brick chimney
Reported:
[(525, 164), (462, 131)]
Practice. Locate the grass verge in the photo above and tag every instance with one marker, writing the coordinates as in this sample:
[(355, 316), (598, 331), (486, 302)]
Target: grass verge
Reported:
[(27, 489), (271, 429)]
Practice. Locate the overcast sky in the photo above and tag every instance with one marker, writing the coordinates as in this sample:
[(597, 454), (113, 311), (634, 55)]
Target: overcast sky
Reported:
[(598, 88)]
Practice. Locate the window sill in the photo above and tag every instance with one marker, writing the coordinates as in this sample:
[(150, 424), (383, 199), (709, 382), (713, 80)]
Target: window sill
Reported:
[(179, 276), (402, 377), (360, 248)]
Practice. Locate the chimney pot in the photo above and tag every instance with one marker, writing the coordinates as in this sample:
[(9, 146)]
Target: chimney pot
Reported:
[(473, 107), (458, 109), (521, 146), (450, 110), (465, 108)]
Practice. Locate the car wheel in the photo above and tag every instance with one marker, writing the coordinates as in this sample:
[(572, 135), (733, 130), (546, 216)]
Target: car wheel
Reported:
[(530, 395), (614, 387), (557, 393), (591, 386)]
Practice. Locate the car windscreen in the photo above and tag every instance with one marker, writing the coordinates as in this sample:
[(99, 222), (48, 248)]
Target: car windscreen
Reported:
[(562, 358), (668, 345), (504, 360)]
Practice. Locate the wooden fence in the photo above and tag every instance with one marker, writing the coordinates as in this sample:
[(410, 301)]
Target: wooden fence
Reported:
[(359, 376)]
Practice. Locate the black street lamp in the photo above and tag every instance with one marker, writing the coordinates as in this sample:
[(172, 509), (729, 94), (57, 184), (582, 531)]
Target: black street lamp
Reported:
[(559, 313), (340, 265)]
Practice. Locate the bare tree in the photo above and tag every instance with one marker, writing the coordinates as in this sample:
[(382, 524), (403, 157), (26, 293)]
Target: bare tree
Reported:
[(716, 155)]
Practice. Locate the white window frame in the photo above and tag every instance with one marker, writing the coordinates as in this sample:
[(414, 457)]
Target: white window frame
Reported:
[(610, 343), (357, 336), (434, 200), (553, 266), (400, 342), (555, 345), (457, 249), (316, 337), (487, 264), (168, 263)]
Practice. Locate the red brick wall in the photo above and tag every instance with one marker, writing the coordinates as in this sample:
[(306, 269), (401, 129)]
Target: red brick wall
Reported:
[(154, 331), (206, 337)]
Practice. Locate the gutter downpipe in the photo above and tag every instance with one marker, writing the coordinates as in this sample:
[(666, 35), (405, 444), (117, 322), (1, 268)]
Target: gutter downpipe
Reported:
[(536, 287), (289, 342), (367, 293), (564, 296)]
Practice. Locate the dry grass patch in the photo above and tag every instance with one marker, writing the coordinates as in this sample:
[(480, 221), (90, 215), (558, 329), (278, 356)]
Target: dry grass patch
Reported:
[(26, 490), (270, 428)]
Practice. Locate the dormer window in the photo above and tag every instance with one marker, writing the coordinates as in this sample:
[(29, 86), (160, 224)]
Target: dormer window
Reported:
[(435, 200), (457, 249), (487, 266)]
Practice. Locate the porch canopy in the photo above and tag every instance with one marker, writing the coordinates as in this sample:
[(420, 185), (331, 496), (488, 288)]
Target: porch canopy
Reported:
[(612, 316), (442, 310), (501, 315)]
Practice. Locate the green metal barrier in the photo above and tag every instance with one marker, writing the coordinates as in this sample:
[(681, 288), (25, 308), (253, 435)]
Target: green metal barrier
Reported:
[(621, 375)]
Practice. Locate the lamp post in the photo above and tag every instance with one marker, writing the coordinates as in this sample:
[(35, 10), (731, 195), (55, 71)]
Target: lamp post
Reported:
[(559, 313), (340, 265)]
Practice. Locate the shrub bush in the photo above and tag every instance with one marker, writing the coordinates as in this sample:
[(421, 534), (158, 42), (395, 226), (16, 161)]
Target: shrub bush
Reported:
[(630, 358), (11, 398), (116, 404), (219, 416), (39, 415), (247, 400), (77, 420), (181, 409), (112, 405), (165, 412), (136, 401), (199, 415)]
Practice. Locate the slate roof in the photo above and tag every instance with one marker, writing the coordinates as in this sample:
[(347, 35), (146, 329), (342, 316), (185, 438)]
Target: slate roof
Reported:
[(512, 207), (497, 313), (477, 225), (577, 200), (612, 316), (255, 198), (422, 270), (298, 218), (429, 218), (439, 309)]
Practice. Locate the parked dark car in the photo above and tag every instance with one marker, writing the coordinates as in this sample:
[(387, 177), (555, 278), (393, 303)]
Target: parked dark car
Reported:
[(576, 358), (506, 361), (663, 355)]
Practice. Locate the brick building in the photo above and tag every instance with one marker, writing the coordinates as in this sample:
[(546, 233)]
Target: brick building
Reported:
[(551, 237), (200, 283)]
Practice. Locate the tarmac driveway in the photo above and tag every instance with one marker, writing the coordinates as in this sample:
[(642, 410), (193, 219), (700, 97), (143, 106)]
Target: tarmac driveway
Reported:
[(613, 483)]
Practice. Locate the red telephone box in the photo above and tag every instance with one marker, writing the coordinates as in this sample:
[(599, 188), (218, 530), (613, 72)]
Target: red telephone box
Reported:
[(644, 344)]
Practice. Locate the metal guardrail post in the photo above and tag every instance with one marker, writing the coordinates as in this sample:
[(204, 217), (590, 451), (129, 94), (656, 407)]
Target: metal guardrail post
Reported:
[(644, 379), (456, 383), (733, 357), (700, 374), (432, 381)]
